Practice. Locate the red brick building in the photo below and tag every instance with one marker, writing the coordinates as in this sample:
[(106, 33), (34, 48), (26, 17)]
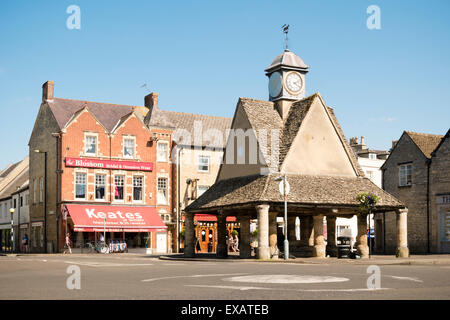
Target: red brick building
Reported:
[(106, 169)]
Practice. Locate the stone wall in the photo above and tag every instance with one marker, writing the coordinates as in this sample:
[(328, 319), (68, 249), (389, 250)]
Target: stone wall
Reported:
[(414, 196), (440, 185)]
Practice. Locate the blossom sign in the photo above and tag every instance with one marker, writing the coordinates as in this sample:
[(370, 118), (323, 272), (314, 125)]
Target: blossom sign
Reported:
[(109, 164)]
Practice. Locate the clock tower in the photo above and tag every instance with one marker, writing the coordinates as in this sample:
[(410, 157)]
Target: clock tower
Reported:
[(286, 80)]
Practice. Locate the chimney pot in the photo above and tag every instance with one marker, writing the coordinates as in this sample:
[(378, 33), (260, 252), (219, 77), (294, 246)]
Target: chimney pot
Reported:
[(47, 90), (151, 100), (362, 140)]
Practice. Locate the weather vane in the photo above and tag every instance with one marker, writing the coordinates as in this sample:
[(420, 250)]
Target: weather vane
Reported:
[(285, 29), (145, 86)]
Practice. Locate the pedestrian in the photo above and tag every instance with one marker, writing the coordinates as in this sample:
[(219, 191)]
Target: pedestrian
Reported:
[(102, 238), (236, 243), (25, 243), (197, 245), (230, 243), (68, 244)]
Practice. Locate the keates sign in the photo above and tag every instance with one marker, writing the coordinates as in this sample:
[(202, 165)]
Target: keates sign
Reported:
[(112, 218), (109, 164)]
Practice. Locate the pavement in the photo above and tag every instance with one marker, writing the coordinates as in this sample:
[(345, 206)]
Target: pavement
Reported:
[(136, 276), (437, 259)]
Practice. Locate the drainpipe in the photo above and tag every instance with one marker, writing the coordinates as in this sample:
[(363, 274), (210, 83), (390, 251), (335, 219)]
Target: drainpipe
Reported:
[(384, 214), (179, 148), (428, 162)]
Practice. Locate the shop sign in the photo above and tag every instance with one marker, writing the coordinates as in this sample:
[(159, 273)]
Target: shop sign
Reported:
[(109, 164)]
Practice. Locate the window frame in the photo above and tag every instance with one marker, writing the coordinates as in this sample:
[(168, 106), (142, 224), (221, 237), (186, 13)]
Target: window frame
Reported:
[(85, 185), (142, 177), (124, 179), (90, 135), (199, 164), (166, 157), (198, 189), (403, 173), (41, 189), (104, 186), (166, 189), (132, 138)]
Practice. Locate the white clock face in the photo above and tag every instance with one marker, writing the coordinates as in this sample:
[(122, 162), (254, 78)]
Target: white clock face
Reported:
[(294, 83), (275, 84)]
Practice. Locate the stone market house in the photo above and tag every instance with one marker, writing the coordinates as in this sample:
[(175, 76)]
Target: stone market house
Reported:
[(418, 173), (299, 137), (106, 171)]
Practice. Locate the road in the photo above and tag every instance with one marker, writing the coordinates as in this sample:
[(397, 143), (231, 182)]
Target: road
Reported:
[(125, 276)]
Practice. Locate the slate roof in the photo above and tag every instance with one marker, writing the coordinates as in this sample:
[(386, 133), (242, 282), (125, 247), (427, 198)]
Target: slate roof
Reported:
[(111, 115), (183, 120), (288, 59), (17, 183), (304, 189), (108, 114), (427, 143), (8, 169)]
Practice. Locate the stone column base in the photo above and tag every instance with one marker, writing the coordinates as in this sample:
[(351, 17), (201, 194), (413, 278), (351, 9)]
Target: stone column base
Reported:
[(363, 251), (402, 252), (263, 253), (318, 251)]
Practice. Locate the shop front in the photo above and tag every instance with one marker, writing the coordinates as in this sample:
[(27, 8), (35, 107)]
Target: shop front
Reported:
[(206, 231), (124, 229)]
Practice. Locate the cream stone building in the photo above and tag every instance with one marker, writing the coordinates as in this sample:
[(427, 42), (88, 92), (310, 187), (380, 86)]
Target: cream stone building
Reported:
[(199, 142), (300, 138)]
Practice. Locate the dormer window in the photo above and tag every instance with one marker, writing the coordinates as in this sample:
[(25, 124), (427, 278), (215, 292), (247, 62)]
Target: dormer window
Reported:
[(129, 147), (90, 144), (373, 156)]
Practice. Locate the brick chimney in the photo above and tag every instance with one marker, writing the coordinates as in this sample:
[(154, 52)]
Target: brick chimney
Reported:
[(151, 100), (47, 90)]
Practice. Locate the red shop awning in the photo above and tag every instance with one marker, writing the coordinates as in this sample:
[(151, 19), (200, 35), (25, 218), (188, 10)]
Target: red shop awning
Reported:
[(92, 218), (211, 217)]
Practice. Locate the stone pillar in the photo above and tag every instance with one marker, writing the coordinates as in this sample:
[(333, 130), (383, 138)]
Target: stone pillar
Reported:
[(244, 243), (362, 247), (331, 236), (402, 233), (222, 234), (189, 237), (319, 244), (263, 231), (273, 226), (306, 231)]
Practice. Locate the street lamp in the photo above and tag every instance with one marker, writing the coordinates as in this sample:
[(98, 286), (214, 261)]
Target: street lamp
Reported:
[(284, 189), (11, 210), (45, 197)]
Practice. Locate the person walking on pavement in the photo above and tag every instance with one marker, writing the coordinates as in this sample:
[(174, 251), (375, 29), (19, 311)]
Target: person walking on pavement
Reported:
[(68, 244)]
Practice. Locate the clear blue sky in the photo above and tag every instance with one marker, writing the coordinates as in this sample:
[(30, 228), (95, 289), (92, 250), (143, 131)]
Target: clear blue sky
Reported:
[(202, 55)]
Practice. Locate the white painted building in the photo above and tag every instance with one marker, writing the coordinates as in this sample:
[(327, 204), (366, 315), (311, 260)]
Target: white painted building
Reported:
[(370, 161)]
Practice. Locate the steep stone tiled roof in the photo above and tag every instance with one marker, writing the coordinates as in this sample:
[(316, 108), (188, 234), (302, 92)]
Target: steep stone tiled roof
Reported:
[(16, 182), (297, 114), (427, 143), (304, 189)]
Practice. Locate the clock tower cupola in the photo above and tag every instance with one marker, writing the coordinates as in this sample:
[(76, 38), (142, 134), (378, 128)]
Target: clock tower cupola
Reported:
[(287, 75)]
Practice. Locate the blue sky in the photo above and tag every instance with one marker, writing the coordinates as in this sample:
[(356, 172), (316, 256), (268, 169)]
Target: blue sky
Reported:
[(201, 56)]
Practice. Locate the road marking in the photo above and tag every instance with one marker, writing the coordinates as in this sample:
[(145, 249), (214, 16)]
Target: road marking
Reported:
[(286, 278), (406, 278), (98, 264), (195, 276), (243, 288)]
